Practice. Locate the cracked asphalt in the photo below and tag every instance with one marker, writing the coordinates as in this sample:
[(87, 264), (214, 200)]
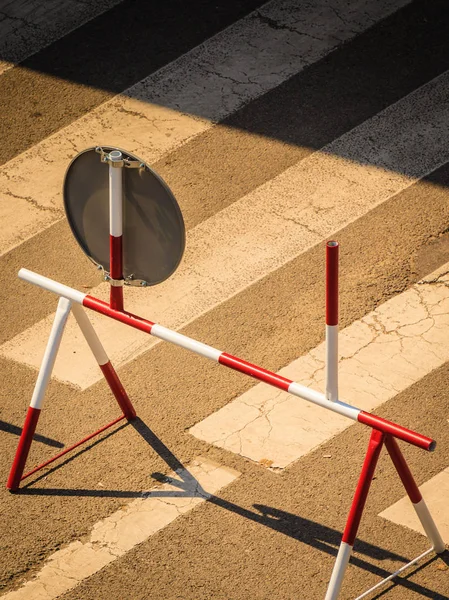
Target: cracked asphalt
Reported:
[(269, 533)]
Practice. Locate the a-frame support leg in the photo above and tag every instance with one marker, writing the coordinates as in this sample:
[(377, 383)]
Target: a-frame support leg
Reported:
[(414, 494), (103, 362), (48, 361), (355, 514), (54, 341), (376, 442)]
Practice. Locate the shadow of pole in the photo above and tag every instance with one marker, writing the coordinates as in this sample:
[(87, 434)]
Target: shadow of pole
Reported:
[(10, 428)]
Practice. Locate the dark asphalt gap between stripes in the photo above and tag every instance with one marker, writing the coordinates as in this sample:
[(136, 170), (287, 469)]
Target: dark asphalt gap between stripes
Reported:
[(101, 59), (331, 96), (354, 82)]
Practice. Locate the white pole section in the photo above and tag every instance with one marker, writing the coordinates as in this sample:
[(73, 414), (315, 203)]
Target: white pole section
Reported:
[(429, 526), (89, 333), (332, 362), (115, 195), (185, 342), (52, 286), (338, 573), (48, 361), (302, 391)]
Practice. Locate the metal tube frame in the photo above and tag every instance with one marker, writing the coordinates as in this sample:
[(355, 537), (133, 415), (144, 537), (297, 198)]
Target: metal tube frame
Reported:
[(377, 440), (383, 431), (54, 341)]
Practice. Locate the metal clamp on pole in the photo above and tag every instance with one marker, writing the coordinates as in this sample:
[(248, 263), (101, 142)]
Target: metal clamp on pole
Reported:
[(111, 159), (114, 282)]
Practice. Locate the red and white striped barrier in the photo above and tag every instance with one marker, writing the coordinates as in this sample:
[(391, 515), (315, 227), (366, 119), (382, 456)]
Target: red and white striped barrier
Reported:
[(383, 432), (233, 362)]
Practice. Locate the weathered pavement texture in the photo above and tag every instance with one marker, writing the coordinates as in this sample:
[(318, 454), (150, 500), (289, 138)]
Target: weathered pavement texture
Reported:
[(277, 126)]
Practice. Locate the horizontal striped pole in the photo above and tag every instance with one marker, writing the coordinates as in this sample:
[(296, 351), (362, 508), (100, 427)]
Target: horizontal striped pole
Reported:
[(278, 381)]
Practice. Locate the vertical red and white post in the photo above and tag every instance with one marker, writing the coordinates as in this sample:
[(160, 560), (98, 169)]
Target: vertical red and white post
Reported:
[(332, 321), (116, 228)]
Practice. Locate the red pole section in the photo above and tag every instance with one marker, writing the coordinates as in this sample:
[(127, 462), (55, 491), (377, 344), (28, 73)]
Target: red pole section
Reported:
[(254, 371), (332, 283), (361, 492), (116, 260), (116, 228), (70, 448), (402, 433), (122, 316), (23, 448), (403, 469), (332, 321), (118, 390)]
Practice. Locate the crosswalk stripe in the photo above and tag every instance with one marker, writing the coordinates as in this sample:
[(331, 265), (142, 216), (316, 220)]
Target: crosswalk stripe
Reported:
[(116, 535), (380, 355), (168, 104), (266, 229)]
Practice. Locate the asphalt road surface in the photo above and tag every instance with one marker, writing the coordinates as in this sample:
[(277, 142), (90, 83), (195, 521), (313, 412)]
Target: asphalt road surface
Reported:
[(278, 126)]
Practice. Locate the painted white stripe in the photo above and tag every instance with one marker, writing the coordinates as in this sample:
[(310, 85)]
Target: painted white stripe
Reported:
[(185, 342), (435, 491), (380, 355), (90, 335), (116, 535), (150, 119), (27, 27), (51, 351), (268, 228)]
